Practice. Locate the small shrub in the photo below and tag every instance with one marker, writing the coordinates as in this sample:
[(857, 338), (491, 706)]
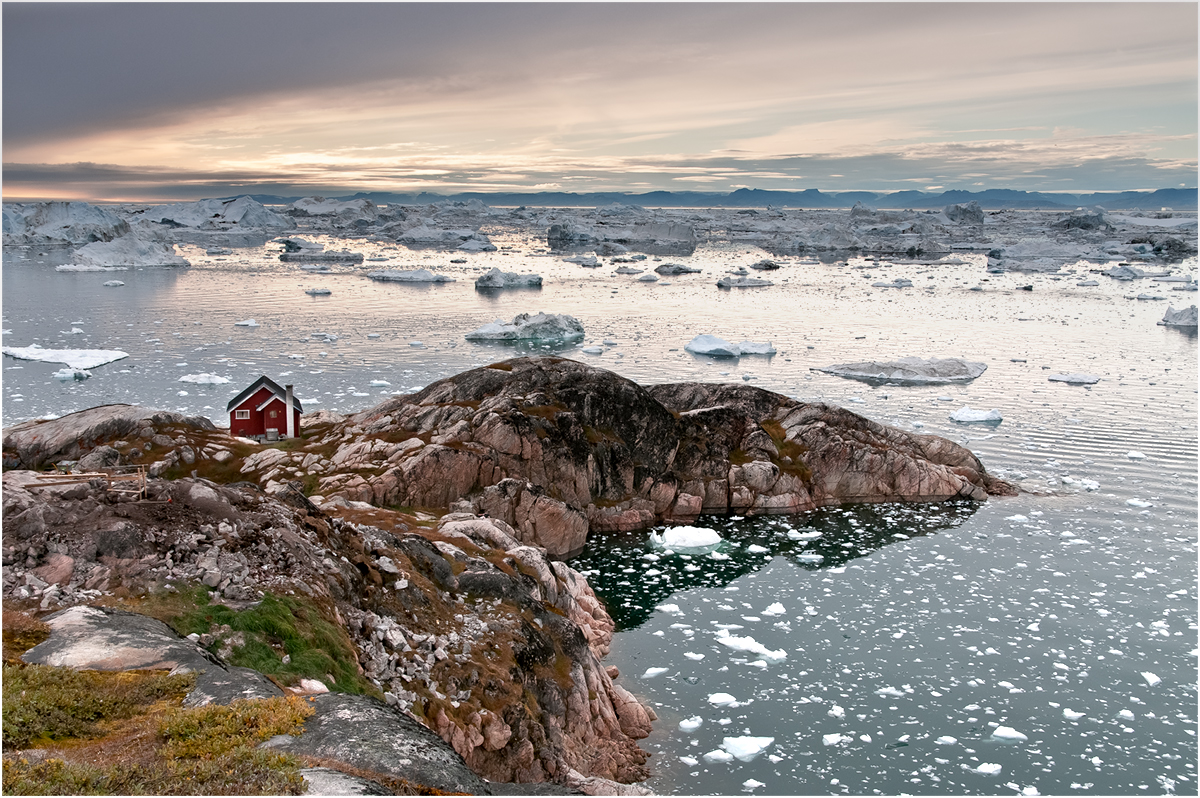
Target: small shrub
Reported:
[(21, 632), (215, 730)]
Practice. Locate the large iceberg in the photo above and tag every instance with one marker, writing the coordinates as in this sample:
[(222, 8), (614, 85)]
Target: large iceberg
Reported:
[(61, 223), (498, 279), (1184, 317), (75, 358), (425, 236), (414, 276), (128, 251), (523, 327), (242, 213), (712, 345), (909, 370)]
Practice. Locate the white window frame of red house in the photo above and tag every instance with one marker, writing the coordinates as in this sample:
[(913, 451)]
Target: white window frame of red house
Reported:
[(241, 414)]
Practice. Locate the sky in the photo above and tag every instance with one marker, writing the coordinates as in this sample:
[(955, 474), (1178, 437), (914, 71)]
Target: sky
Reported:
[(178, 101)]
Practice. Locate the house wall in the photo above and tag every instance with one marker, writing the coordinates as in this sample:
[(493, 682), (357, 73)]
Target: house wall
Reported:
[(260, 420)]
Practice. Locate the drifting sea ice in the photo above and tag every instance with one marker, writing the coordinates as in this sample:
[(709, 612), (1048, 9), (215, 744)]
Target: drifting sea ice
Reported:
[(746, 749), (686, 537), (1007, 734), (965, 415), (69, 374), (652, 672), (750, 646), (689, 725), (718, 755), (722, 700), (75, 358), (246, 323), (204, 379)]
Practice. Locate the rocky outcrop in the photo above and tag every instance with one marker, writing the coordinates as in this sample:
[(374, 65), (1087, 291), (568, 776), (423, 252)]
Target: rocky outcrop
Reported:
[(34, 444), (489, 644), (555, 448)]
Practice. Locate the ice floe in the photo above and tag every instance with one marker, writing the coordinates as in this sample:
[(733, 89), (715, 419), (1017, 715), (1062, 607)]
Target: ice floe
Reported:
[(750, 646), (689, 725), (127, 251), (1074, 379), (114, 283), (204, 379), (743, 282), (409, 276), (965, 415), (722, 700), (70, 374), (746, 749), (75, 358), (652, 672), (686, 538), (539, 326), (246, 323), (498, 279), (1007, 734), (910, 370)]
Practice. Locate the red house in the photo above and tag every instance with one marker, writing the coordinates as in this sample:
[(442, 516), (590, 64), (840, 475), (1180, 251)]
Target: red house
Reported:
[(260, 411)]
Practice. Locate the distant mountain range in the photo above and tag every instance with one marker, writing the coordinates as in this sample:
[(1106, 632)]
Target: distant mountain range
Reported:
[(1182, 199)]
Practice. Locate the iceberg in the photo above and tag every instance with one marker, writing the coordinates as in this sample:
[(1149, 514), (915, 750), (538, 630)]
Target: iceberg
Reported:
[(498, 279), (689, 725), (217, 215), (128, 251), (526, 327), (246, 323), (722, 700), (114, 283), (1074, 379), (69, 374), (89, 267), (671, 269), (965, 415), (746, 749), (909, 370), (61, 223), (686, 537), (750, 646), (756, 348), (204, 379), (411, 276), (75, 358), (713, 346), (1184, 317), (317, 291), (1007, 734), (743, 282)]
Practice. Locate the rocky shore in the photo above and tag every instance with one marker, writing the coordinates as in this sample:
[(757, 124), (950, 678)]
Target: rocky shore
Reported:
[(429, 529)]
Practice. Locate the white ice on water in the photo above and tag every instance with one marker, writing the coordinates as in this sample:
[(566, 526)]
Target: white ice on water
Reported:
[(722, 700), (204, 379), (689, 725), (75, 358), (746, 749), (652, 672), (750, 646), (965, 415), (686, 537), (1007, 734)]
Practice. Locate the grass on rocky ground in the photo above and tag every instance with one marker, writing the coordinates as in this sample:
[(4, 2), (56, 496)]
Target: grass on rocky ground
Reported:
[(168, 750), (21, 632), (294, 627)]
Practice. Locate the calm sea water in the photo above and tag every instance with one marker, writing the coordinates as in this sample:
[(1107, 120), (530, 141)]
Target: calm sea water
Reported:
[(1066, 614)]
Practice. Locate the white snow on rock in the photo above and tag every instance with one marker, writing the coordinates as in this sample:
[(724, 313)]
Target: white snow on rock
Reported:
[(75, 358), (686, 537), (204, 379), (691, 724), (910, 370), (722, 700), (746, 749), (750, 646), (713, 346), (1007, 734), (965, 415), (128, 251), (539, 327), (1074, 379), (498, 279), (409, 276), (1184, 317)]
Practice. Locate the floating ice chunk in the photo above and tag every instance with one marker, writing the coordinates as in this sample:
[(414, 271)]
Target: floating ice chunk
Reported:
[(946, 740), (775, 609), (718, 755), (965, 415), (909, 371), (1150, 678), (690, 761), (498, 279), (810, 557), (204, 379), (722, 700), (652, 672), (836, 739), (750, 646), (713, 346), (689, 725), (756, 348), (317, 291), (805, 534), (372, 335), (987, 769), (75, 358), (1139, 503), (1070, 714), (592, 350), (114, 283), (754, 548), (1074, 379), (686, 537), (70, 374), (1126, 714), (128, 251), (1018, 518), (690, 655), (648, 278), (1007, 734), (746, 749), (836, 712), (752, 784), (409, 276), (88, 267), (743, 282), (1184, 317), (380, 383), (539, 327), (1135, 455), (246, 323), (890, 691), (671, 609)]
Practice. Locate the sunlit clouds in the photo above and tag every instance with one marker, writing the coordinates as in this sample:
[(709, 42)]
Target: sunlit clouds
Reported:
[(622, 97)]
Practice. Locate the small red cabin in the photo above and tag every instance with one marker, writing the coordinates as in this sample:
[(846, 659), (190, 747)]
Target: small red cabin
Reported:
[(260, 411)]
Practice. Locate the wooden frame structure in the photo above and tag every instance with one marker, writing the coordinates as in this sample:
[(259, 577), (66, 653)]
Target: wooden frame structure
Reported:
[(131, 483)]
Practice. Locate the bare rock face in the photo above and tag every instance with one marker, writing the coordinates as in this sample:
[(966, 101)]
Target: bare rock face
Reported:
[(33, 444)]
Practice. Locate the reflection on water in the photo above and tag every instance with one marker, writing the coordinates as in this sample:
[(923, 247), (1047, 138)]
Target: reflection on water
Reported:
[(632, 576)]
